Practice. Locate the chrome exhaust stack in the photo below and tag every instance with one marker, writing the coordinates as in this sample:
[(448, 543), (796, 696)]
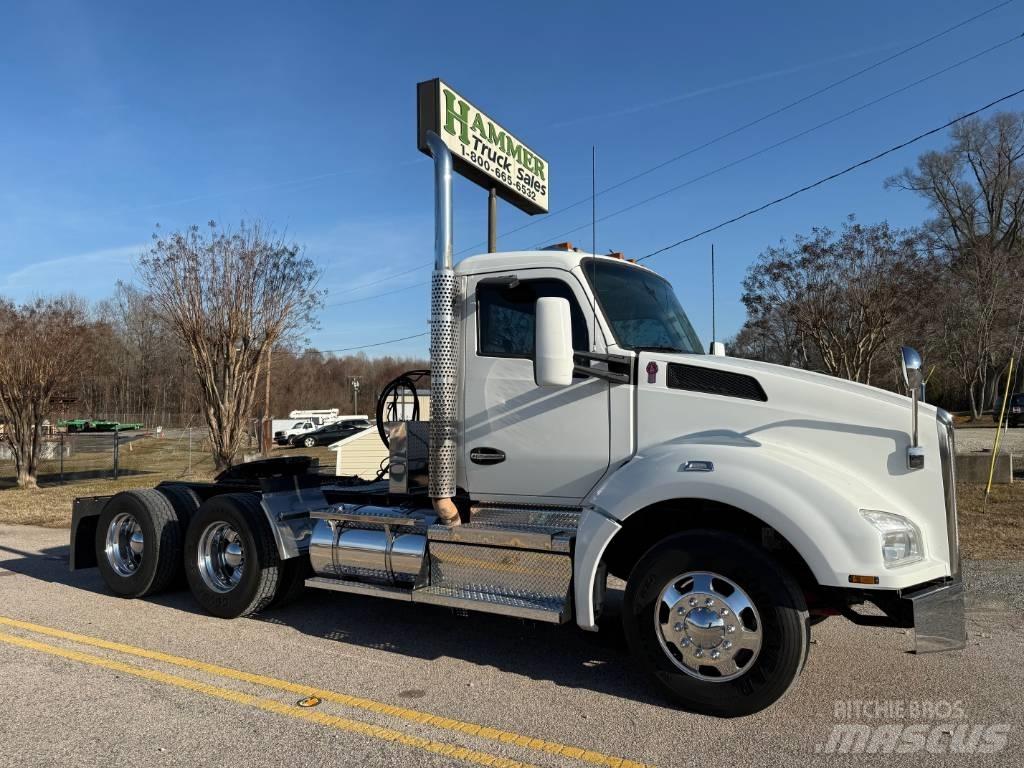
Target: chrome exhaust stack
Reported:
[(444, 340)]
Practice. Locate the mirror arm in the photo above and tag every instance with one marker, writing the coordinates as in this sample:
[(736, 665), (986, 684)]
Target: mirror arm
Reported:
[(604, 358), (598, 373)]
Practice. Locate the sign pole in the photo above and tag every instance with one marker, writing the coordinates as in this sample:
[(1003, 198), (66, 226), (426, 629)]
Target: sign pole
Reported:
[(492, 221)]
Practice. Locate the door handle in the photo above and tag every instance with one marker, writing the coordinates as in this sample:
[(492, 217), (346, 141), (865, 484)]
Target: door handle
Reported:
[(486, 456)]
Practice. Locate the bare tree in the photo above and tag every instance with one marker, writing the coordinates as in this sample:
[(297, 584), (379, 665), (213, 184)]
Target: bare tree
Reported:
[(834, 300), (39, 345), (230, 297), (976, 189)]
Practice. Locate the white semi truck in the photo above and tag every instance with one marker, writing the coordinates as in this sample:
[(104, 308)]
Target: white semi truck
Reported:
[(577, 431)]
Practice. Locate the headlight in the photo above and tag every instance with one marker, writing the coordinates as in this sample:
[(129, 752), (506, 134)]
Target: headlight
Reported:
[(901, 541)]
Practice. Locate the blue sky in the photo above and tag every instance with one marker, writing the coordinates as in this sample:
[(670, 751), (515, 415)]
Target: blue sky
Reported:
[(119, 116)]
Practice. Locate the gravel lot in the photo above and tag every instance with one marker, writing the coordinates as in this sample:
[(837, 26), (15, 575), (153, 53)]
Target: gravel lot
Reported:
[(971, 439), (67, 701)]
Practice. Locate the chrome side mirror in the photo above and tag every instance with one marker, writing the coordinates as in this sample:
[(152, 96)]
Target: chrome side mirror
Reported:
[(912, 375), (553, 354), (913, 379)]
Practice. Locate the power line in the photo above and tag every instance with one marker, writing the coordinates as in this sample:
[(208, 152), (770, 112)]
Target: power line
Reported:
[(736, 162), (705, 145), (756, 121), (367, 346), (374, 296), (384, 279), (835, 175), (794, 137), (752, 211)]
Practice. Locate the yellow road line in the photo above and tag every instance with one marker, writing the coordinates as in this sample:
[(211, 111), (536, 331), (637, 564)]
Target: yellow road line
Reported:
[(424, 718), (269, 705)]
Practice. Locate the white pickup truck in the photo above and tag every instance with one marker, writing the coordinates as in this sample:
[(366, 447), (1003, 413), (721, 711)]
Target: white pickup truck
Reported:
[(578, 431)]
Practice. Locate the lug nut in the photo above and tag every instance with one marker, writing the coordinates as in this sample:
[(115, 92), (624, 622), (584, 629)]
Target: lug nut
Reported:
[(681, 610), (685, 642), (693, 601), (709, 601), (731, 628), (724, 612), (678, 626), (727, 644), (715, 655), (698, 653)]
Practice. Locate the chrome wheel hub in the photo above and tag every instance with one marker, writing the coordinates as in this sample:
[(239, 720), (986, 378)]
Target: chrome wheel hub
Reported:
[(221, 557), (708, 626), (124, 544)]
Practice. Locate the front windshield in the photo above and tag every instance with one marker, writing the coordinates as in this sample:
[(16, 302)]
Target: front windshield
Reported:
[(641, 308)]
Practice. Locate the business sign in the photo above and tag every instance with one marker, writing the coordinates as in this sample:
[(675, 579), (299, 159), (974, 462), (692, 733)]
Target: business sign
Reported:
[(482, 150)]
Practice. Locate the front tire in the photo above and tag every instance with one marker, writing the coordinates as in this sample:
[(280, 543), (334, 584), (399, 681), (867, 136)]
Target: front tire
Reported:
[(719, 624), (231, 560)]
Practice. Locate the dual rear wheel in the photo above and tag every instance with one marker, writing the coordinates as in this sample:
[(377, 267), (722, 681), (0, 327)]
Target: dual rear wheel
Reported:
[(147, 540)]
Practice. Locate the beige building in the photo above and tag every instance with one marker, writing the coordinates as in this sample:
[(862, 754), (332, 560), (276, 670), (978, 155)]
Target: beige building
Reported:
[(364, 453)]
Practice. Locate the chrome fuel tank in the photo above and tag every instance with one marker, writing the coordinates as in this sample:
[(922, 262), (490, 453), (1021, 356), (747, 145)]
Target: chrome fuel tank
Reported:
[(341, 551)]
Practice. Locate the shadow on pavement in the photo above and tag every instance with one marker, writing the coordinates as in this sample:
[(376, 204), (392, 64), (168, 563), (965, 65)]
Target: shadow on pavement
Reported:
[(564, 655)]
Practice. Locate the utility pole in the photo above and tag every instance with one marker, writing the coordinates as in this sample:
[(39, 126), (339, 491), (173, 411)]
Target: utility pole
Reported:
[(714, 334), (267, 430), (355, 394)]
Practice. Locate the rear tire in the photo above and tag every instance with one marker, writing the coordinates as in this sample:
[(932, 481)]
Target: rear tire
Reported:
[(231, 560), (677, 617), (309, 442), (138, 543), (186, 503)]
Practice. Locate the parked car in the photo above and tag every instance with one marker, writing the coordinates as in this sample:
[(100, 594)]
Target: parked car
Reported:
[(1015, 410), (329, 434), (284, 436)]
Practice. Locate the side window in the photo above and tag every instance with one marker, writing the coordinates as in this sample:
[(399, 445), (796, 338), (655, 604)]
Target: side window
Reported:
[(506, 316)]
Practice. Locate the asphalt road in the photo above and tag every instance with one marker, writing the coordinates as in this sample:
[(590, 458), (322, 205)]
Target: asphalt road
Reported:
[(90, 679)]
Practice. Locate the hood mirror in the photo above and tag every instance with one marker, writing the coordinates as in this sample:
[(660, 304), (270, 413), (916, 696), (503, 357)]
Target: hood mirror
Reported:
[(911, 368), (913, 379)]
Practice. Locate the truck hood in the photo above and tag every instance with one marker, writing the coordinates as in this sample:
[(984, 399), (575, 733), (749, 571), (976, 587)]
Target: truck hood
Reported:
[(804, 422)]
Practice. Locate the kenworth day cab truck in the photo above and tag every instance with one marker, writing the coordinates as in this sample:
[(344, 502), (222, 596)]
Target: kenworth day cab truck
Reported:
[(577, 431)]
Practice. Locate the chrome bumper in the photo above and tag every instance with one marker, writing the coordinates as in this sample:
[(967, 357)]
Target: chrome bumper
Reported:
[(937, 615)]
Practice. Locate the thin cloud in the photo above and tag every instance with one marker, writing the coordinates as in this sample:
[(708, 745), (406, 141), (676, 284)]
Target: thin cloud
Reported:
[(265, 187), (631, 110), (73, 272)]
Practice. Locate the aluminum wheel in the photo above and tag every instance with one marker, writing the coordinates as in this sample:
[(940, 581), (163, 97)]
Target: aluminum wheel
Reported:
[(221, 557), (125, 544), (708, 626)]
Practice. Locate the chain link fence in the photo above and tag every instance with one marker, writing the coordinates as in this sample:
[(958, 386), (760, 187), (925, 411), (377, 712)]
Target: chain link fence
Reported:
[(68, 457), (163, 453)]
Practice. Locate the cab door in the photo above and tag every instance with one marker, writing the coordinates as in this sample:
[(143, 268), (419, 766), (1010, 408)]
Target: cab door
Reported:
[(522, 442)]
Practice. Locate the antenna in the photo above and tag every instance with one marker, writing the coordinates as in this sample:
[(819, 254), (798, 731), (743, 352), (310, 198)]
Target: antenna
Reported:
[(714, 333), (593, 198)]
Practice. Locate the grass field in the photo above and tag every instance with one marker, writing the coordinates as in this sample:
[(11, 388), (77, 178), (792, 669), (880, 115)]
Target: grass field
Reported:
[(992, 529)]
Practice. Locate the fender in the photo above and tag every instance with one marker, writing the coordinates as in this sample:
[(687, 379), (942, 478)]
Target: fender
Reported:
[(814, 506), (287, 506)]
